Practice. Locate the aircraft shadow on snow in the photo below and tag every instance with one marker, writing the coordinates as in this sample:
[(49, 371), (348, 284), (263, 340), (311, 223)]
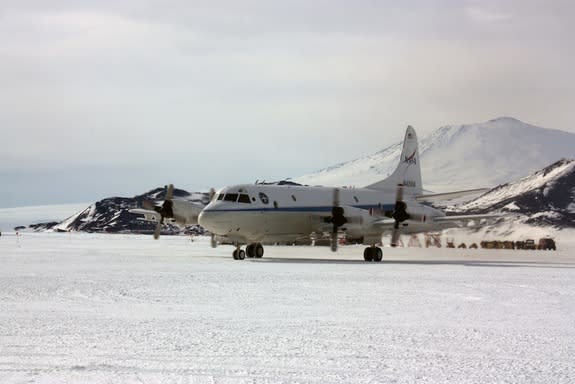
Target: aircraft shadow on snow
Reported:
[(465, 263)]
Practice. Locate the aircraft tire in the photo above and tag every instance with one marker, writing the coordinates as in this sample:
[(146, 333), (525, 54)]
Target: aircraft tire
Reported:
[(239, 254), (250, 250), (368, 254), (258, 250), (377, 254)]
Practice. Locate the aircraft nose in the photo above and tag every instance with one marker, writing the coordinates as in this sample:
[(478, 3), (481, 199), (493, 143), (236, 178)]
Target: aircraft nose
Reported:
[(208, 220)]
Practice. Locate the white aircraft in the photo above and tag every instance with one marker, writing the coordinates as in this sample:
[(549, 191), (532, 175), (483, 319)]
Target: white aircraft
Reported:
[(256, 214)]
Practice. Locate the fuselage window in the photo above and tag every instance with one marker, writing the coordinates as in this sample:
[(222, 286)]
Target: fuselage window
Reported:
[(231, 197), (244, 199), (221, 196)]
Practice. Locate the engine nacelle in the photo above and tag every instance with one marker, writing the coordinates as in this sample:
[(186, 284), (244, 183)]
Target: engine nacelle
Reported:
[(359, 221), (421, 213), (186, 212)]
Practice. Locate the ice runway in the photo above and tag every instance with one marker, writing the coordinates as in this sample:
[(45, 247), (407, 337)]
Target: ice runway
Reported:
[(87, 308)]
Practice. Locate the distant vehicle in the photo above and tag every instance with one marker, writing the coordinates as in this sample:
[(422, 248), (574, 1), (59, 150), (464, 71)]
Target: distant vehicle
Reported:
[(529, 244), (546, 243)]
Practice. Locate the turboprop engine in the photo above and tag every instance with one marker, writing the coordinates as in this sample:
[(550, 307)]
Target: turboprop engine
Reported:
[(358, 222)]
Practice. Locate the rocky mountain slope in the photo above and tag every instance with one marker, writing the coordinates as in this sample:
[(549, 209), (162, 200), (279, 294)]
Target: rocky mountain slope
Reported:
[(112, 214), (546, 197)]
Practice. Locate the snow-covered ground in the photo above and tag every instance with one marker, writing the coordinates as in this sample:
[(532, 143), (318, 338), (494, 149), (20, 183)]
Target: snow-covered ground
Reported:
[(83, 308)]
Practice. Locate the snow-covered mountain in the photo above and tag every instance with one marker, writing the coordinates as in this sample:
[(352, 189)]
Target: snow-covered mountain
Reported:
[(546, 197), (462, 156)]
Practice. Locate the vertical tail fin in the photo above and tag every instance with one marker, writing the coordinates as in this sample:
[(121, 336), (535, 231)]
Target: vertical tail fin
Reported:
[(408, 172)]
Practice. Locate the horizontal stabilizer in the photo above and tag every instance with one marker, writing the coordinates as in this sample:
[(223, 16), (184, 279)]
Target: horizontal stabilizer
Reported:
[(433, 198), (448, 219)]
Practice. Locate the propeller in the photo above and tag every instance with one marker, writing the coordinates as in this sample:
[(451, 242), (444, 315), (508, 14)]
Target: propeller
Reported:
[(337, 219), (399, 215), (213, 241), (165, 210)]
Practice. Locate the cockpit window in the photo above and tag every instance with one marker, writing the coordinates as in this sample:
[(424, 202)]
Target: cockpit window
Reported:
[(231, 197), (221, 196), (244, 198)]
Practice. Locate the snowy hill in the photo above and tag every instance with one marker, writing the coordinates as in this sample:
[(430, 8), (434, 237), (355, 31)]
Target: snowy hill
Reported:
[(545, 198), (462, 156)]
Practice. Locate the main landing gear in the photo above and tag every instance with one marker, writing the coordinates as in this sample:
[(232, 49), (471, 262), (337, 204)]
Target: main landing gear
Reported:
[(372, 254), (239, 254), (256, 250), (252, 250)]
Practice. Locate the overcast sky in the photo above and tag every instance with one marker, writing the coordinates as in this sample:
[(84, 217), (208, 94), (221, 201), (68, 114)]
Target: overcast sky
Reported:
[(113, 98)]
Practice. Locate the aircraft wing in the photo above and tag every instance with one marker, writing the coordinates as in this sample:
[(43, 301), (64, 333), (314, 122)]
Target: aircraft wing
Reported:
[(435, 197), (148, 215), (432, 223)]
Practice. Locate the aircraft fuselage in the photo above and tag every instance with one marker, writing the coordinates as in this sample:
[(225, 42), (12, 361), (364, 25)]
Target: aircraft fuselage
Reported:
[(276, 213)]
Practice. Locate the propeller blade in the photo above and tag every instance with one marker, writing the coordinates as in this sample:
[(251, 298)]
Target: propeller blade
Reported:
[(158, 230), (334, 241), (398, 195), (335, 213), (395, 236), (149, 205), (399, 215), (166, 210), (169, 192)]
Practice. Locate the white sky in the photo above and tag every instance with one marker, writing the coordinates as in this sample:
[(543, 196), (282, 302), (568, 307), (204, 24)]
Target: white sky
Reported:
[(104, 98)]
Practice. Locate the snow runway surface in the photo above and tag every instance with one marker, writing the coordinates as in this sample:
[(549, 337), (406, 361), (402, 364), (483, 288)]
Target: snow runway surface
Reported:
[(126, 309)]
